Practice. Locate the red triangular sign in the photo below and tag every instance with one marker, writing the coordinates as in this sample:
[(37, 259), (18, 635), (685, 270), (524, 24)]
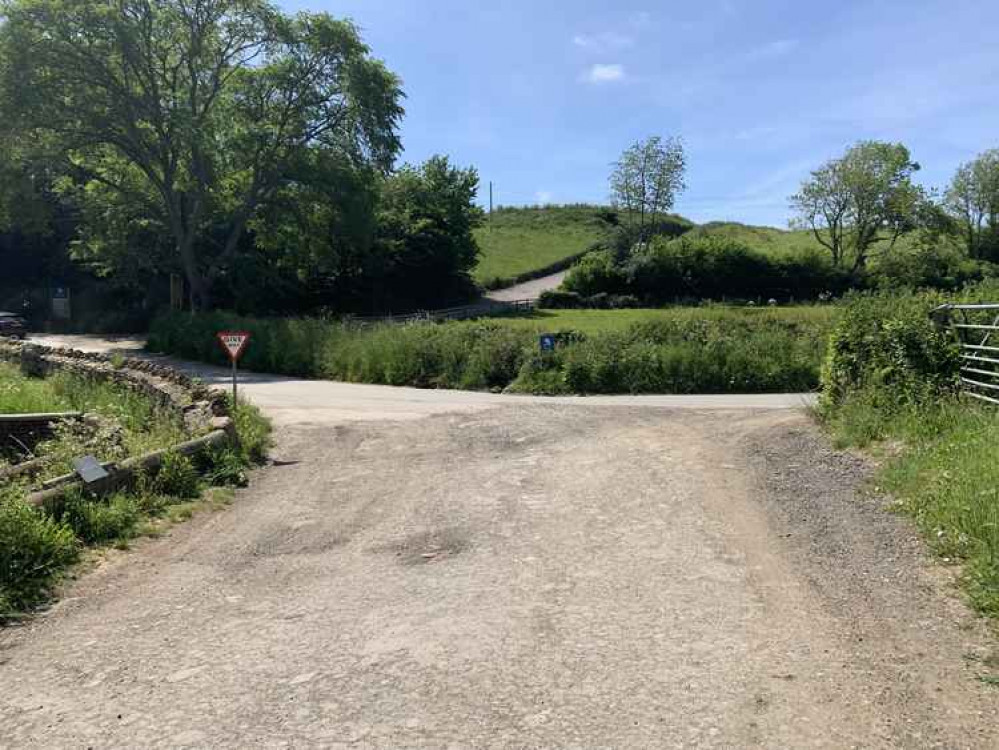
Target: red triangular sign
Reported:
[(234, 342)]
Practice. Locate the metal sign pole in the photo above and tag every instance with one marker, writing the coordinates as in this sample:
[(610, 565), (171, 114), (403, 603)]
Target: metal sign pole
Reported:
[(234, 379)]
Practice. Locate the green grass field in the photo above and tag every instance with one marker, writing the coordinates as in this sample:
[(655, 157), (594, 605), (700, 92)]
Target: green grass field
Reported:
[(520, 240)]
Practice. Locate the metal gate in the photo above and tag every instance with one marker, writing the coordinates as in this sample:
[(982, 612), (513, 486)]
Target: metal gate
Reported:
[(976, 329)]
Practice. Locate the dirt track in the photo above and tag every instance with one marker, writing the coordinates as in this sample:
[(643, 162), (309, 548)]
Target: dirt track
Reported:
[(523, 575)]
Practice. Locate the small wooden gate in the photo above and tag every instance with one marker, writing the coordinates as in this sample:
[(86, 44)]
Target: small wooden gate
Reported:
[(976, 329)]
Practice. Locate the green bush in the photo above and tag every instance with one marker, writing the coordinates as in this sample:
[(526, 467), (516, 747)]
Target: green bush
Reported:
[(890, 375), (97, 521), (706, 350), (33, 548), (177, 477), (698, 268), (253, 431), (887, 342), (597, 272)]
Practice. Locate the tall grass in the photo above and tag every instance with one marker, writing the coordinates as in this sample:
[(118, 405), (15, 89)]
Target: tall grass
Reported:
[(680, 351), (36, 545), (138, 424), (889, 386)]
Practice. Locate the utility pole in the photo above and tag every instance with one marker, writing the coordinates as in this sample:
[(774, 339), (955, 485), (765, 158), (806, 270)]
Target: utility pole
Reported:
[(490, 204)]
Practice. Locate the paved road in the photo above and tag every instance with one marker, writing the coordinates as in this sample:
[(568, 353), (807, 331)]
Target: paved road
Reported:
[(529, 289), (511, 574)]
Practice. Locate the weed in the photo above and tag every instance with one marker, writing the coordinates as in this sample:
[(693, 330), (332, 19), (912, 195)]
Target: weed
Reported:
[(33, 548), (177, 477)]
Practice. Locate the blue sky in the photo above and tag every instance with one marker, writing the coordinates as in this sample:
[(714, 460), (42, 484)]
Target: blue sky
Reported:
[(542, 96)]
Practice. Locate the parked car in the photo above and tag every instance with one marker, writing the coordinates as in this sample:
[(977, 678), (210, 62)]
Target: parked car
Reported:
[(13, 325)]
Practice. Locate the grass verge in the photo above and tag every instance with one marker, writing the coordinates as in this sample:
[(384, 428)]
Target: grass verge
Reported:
[(38, 546), (888, 387)]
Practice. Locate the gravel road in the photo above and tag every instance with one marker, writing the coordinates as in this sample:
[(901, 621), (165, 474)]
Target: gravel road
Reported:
[(528, 289), (517, 575)]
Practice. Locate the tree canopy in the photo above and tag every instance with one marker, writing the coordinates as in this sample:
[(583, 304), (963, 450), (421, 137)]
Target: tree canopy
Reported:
[(863, 198), (647, 179), (973, 200), (185, 117)]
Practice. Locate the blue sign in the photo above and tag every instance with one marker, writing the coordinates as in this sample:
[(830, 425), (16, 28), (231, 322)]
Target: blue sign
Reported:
[(548, 342)]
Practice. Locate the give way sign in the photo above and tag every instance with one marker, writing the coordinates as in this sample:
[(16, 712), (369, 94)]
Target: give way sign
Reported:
[(234, 343)]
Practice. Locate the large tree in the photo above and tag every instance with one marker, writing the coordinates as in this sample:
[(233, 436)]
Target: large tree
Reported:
[(859, 200), (646, 180), (190, 113), (973, 199)]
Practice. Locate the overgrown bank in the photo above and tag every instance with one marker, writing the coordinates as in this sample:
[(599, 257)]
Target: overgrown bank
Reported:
[(890, 385), (705, 350), (38, 543)]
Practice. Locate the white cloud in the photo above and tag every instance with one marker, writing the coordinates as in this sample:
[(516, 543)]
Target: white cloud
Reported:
[(640, 19), (777, 48), (544, 197), (604, 73), (605, 41)]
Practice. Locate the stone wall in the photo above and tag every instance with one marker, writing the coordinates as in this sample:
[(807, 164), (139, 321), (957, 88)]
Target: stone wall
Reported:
[(166, 387), (205, 412)]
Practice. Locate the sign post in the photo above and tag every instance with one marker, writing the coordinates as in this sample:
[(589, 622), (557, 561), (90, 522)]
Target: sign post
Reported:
[(234, 343)]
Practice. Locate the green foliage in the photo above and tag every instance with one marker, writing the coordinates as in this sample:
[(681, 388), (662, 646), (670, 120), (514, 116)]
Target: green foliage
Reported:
[(889, 379), (426, 217), (972, 199), (128, 423), (681, 351), (556, 299), (177, 477), (33, 548), (180, 121), (596, 273), (253, 431), (696, 267), (887, 342), (863, 198), (100, 521), (722, 353), (646, 180)]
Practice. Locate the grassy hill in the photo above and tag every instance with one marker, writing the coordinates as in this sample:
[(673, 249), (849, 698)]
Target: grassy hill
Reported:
[(526, 242), (764, 239), (518, 241)]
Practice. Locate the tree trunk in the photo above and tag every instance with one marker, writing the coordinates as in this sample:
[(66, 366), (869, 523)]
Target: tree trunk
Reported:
[(196, 282)]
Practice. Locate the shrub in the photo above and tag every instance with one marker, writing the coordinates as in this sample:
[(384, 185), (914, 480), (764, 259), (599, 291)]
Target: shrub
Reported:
[(890, 375), (98, 521), (887, 341), (33, 548), (253, 431), (557, 299), (595, 273), (177, 477), (689, 351), (698, 268)]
